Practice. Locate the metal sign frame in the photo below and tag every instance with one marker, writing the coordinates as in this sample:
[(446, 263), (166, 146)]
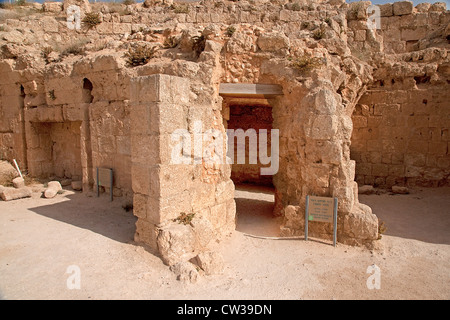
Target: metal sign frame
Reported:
[(101, 173), (335, 207)]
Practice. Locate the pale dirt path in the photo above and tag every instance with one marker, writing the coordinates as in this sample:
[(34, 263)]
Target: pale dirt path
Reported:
[(40, 238)]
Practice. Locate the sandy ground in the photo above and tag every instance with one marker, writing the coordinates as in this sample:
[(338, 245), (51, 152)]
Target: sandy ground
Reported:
[(41, 238)]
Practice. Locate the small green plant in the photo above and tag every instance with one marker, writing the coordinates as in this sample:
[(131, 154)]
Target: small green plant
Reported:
[(230, 31), (170, 42), (184, 218), (91, 19), (306, 63), (140, 55), (51, 94), (199, 44)]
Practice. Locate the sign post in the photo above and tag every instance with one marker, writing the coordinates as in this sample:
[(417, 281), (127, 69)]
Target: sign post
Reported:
[(321, 209)]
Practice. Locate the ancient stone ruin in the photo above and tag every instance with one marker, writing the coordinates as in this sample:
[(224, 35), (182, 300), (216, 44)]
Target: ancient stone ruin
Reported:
[(354, 105)]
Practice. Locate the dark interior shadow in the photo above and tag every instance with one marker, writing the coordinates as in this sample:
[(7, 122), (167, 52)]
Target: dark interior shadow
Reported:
[(96, 214), (423, 215), (269, 190)]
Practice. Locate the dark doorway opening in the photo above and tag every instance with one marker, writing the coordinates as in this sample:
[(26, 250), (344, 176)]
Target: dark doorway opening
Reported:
[(255, 192)]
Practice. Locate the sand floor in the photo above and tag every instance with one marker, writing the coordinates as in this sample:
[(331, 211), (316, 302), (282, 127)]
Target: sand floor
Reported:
[(40, 239)]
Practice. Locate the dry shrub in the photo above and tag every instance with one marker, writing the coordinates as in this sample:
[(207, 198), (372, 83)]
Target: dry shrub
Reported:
[(140, 55), (91, 19), (306, 63)]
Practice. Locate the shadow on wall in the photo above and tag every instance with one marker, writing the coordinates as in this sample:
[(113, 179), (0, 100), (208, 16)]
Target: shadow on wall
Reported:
[(98, 215), (423, 215)]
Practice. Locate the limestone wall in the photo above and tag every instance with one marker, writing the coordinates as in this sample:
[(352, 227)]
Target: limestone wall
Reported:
[(127, 114), (35, 116), (401, 124)]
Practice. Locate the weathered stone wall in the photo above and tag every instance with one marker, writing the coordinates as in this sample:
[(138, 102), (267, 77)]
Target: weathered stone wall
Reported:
[(128, 114), (58, 98), (54, 150), (401, 124), (402, 27)]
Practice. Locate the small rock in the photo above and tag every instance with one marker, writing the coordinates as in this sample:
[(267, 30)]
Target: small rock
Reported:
[(185, 271), (54, 185), (18, 182), (366, 189), (52, 189), (50, 193), (77, 185), (66, 182), (400, 190), (210, 262)]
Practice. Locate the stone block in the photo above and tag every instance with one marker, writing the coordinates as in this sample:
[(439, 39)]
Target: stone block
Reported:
[(212, 263), (366, 189), (203, 230), (218, 216), (361, 224), (146, 232), (121, 28), (185, 271), (402, 8), (176, 243), (324, 127), (386, 10), (77, 185), (141, 177), (145, 149), (325, 101), (18, 182), (273, 42), (160, 88), (224, 191), (7, 194), (400, 190)]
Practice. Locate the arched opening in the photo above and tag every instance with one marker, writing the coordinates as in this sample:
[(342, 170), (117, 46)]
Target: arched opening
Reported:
[(87, 91)]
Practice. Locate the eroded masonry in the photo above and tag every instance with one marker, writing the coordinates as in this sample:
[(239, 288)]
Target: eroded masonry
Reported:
[(352, 105)]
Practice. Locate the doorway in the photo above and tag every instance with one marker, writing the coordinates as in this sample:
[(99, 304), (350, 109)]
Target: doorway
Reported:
[(254, 192)]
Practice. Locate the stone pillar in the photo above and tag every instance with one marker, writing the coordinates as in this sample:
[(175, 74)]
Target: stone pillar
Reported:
[(156, 110), (180, 208)]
